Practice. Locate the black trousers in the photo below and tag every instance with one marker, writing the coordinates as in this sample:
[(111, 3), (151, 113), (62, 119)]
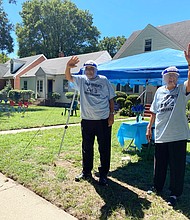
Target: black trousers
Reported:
[(172, 154), (90, 130)]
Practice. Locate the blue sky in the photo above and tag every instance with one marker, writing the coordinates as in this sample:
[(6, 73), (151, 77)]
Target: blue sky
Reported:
[(120, 17)]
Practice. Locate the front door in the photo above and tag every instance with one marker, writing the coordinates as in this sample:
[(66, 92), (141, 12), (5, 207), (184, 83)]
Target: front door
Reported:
[(50, 86)]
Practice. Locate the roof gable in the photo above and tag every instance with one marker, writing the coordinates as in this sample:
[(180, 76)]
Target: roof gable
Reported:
[(130, 40), (20, 64), (177, 33), (15, 65)]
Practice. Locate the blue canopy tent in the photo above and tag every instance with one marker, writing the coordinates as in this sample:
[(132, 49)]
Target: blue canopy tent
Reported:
[(145, 68)]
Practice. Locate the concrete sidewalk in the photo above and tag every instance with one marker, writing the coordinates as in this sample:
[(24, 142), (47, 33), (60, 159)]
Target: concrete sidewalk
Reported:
[(51, 127), (19, 203), (35, 129)]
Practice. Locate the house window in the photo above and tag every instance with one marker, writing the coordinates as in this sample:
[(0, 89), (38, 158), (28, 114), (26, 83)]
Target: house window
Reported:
[(118, 87), (126, 88), (148, 45), (136, 89), (25, 85), (40, 86), (65, 85)]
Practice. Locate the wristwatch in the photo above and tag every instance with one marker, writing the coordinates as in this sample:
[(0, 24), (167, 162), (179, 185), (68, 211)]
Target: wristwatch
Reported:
[(112, 113)]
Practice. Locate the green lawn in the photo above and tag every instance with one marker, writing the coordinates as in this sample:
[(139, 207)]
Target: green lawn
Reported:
[(37, 116), (32, 159)]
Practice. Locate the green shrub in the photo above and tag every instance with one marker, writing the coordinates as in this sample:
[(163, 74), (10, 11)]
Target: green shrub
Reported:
[(69, 95), (120, 94), (55, 95), (188, 115), (133, 99), (24, 95), (3, 95), (120, 101), (120, 98), (15, 95), (7, 88), (188, 105), (126, 112), (4, 92), (128, 103)]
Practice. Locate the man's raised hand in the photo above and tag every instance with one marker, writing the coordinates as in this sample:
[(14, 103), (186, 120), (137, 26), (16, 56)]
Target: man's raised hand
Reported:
[(73, 62), (187, 54)]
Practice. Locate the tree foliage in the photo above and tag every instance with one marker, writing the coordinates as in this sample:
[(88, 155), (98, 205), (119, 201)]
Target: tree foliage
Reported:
[(4, 58), (112, 44), (12, 1), (51, 26), (6, 41)]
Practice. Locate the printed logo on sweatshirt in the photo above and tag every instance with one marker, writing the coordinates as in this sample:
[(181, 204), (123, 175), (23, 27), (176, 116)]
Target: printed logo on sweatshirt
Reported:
[(168, 103), (92, 89)]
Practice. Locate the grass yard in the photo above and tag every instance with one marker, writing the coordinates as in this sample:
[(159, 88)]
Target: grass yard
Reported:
[(37, 116), (31, 158)]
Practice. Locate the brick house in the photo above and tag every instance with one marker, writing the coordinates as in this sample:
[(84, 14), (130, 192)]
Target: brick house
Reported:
[(12, 70)]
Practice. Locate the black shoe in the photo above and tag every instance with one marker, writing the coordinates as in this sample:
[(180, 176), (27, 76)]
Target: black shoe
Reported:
[(172, 201), (103, 181), (83, 176)]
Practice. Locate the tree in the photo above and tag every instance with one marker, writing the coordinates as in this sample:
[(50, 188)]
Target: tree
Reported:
[(51, 26), (112, 44), (10, 1), (6, 41), (4, 58)]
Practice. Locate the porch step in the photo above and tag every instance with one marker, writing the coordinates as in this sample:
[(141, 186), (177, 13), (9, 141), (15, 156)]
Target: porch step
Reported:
[(147, 112)]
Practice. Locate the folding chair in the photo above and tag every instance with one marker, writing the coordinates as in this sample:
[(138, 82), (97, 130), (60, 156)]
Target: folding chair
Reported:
[(74, 109)]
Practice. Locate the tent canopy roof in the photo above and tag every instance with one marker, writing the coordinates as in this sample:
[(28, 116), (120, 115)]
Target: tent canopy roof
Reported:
[(146, 67)]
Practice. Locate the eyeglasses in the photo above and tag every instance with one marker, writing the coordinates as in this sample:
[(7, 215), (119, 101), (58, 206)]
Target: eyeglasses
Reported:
[(170, 75), (89, 68)]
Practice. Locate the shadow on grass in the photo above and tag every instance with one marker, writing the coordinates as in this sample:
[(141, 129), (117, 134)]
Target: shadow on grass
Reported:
[(140, 175), (36, 109), (118, 197), (183, 203)]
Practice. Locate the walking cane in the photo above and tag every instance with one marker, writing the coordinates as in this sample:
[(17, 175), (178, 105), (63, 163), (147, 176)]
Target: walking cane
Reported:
[(67, 122)]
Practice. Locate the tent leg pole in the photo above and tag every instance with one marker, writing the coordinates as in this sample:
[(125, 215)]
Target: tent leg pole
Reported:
[(145, 95)]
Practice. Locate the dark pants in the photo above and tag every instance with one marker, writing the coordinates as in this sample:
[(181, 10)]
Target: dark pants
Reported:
[(174, 155), (90, 129)]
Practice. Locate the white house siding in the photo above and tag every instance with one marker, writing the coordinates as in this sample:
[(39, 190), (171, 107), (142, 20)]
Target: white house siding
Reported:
[(159, 41), (30, 83), (58, 87)]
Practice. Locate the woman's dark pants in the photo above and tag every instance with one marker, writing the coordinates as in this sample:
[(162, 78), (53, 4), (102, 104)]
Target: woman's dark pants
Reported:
[(174, 155)]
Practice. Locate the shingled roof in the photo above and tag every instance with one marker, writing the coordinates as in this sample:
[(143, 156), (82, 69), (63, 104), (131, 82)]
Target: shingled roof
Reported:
[(3, 69), (56, 66), (26, 62)]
